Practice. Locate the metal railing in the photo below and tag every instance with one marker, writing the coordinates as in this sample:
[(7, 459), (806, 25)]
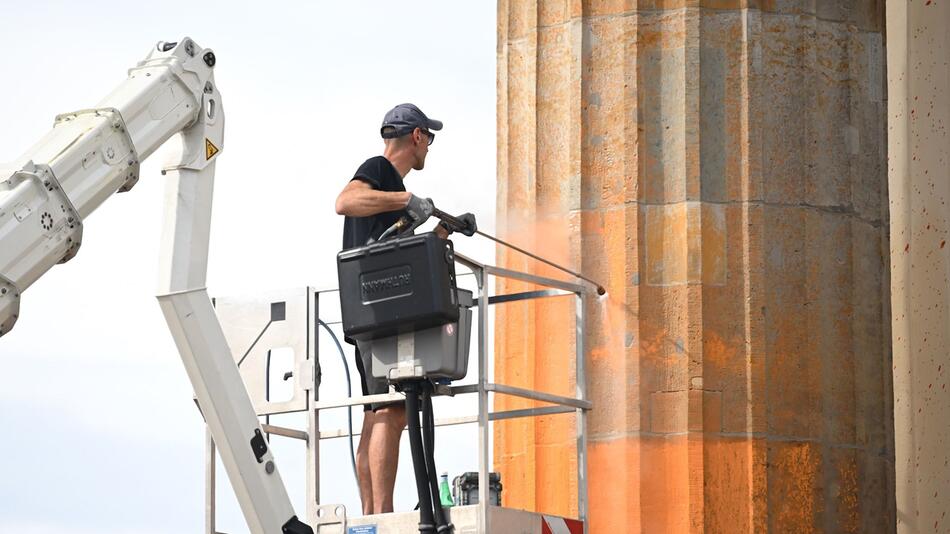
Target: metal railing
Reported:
[(483, 388)]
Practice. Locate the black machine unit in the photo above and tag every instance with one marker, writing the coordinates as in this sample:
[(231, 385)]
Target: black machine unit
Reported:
[(465, 489), (397, 285)]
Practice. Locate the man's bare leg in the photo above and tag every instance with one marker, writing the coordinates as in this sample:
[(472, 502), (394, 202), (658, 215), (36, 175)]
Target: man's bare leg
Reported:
[(384, 455), (362, 463)]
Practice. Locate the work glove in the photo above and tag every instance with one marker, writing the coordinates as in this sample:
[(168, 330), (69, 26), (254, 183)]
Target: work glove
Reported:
[(468, 226), (420, 209)]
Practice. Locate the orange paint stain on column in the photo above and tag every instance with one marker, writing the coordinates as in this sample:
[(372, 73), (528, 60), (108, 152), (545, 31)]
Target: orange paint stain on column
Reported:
[(687, 156)]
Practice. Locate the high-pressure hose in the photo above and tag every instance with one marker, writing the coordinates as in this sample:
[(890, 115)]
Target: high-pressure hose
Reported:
[(403, 222), (349, 393), (426, 519), (428, 438)]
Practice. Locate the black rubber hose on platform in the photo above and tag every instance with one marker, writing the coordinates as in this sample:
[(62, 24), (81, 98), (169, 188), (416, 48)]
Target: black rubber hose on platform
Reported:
[(426, 523), (428, 438)]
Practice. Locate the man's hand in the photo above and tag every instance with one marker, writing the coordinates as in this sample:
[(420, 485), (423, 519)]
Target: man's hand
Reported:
[(467, 227), (469, 221), (420, 209)]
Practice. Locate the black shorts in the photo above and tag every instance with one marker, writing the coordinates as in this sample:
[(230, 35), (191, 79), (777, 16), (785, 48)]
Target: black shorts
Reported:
[(371, 385)]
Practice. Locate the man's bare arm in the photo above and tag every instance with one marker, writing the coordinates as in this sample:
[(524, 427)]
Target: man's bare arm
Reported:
[(359, 199)]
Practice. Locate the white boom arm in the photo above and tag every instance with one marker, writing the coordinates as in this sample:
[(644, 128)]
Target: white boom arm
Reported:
[(47, 193)]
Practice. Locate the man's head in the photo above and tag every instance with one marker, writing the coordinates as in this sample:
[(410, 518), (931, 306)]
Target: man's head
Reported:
[(406, 129)]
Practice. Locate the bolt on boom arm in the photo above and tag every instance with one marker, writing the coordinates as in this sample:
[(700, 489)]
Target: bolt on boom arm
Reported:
[(47, 193)]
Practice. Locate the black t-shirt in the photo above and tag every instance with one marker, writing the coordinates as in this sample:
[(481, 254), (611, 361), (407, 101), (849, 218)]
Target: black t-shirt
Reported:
[(380, 174)]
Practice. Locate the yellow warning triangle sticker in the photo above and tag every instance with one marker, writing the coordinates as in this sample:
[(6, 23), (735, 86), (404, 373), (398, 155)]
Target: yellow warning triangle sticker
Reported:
[(210, 149)]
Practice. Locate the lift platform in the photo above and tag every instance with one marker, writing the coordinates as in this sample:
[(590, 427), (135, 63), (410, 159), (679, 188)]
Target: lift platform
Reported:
[(465, 519), (283, 325)]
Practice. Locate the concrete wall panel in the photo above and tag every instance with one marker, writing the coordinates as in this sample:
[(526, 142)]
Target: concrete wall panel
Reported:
[(919, 177)]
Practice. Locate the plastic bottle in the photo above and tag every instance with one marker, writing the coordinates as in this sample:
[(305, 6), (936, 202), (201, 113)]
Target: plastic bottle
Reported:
[(445, 495)]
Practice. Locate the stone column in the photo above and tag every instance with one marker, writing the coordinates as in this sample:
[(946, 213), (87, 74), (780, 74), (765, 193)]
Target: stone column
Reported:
[(919, 149), (719, 165)]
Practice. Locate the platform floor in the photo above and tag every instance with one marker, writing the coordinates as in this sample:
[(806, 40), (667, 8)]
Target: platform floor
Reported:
[(500, 521)]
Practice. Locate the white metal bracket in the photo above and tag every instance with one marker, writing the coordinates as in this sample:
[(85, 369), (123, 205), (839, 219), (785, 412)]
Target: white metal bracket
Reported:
[(331, 519)]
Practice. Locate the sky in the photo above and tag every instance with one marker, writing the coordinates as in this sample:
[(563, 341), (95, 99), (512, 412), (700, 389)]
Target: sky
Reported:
[(101, 435)]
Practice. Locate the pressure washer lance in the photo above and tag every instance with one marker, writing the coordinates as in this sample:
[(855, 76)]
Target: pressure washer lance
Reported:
[(405, 224), (456, 223)]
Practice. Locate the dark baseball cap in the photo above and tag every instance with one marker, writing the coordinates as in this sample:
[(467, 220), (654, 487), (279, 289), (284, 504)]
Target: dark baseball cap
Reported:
[(403, 119)]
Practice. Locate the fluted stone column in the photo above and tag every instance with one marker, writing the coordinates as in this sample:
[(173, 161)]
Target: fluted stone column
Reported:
[(720, 167)]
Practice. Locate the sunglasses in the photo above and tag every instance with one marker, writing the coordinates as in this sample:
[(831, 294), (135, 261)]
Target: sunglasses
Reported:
[(429, 134)]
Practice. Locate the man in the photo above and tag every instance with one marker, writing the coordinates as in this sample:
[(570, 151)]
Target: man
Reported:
[(373, 200)]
